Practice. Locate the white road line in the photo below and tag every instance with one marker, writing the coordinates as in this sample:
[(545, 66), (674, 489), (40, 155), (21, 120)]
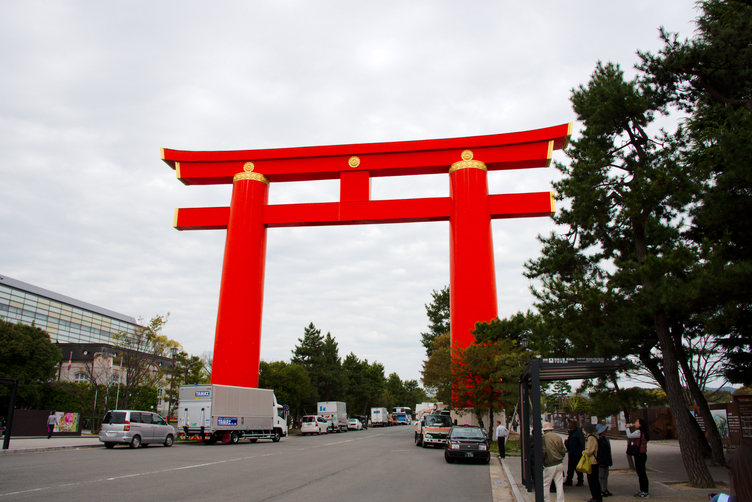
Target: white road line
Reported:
[(174, 469)]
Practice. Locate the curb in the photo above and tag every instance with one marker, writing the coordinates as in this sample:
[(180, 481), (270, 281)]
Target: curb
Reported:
[(50, 448)]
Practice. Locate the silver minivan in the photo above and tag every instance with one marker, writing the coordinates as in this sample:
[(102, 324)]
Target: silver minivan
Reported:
[(135, 428)]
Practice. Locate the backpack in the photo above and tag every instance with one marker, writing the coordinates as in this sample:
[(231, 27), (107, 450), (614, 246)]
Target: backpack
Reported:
[(604, 452)]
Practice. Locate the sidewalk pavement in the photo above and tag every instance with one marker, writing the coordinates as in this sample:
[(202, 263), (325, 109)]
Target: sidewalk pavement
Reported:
[(666, 474), (32, 444)]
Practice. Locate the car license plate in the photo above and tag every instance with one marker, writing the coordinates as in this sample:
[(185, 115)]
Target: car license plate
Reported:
[(110, 434), (468, 454)]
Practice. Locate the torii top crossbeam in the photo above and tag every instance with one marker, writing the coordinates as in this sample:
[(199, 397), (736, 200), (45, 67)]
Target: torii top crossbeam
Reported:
[(469, 209)]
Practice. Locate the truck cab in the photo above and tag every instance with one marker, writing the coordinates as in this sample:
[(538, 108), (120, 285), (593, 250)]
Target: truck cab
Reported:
[(432, 430)]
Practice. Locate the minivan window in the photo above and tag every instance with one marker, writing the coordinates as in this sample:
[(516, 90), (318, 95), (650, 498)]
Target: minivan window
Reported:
[(114, 417), (135, 417), (146, 418)]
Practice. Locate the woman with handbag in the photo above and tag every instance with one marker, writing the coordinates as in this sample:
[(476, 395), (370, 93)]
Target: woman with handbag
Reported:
[(591, 450), (638, 447)]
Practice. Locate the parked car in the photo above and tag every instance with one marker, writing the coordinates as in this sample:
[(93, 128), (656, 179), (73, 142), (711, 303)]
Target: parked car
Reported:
[(314, 424), (354, 424), (135, 428), (363, 420), (467, 442)]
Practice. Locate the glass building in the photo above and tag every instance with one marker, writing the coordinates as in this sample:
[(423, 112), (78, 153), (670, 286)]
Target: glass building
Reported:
[(66, 319)]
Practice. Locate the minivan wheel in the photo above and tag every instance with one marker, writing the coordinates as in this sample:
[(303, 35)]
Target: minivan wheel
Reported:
[(109, 445), (169, 440), (135, 442)]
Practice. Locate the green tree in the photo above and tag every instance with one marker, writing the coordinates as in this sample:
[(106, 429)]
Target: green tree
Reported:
[(438, 312), (625, 256), (140, 353), (309, 355), (399, 393), (365, 383), (437, 369), (189, 370), (320, 357), (291, 385), (710, 76), (26, 355)]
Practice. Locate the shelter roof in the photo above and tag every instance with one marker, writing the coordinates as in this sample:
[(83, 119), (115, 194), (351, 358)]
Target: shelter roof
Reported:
[(573, 368)]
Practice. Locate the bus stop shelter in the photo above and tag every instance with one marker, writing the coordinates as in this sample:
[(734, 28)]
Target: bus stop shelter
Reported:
[(547, 370)]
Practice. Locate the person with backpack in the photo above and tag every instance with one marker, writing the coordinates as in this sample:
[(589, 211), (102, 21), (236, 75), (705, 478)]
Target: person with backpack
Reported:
[(604, 459), (591, 450)]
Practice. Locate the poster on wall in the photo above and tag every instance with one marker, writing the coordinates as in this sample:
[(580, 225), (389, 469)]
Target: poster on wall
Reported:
[(67, 422), (621, 421), (721, 422)]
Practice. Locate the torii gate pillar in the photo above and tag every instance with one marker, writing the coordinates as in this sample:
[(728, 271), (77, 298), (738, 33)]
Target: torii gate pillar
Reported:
[(472, 275), (241, 293)]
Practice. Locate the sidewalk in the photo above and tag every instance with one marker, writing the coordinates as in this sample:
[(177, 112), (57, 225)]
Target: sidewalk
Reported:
[(665, 470), (32, 444)]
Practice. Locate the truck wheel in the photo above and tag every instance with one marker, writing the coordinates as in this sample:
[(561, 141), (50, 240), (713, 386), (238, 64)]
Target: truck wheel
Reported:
[(135, 442), (417, 440), (211, 440), (276, 436), (425, 445), (234, 437)]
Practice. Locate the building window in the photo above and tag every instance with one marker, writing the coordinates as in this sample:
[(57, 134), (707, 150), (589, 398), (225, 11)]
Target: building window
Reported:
[(81, 378)]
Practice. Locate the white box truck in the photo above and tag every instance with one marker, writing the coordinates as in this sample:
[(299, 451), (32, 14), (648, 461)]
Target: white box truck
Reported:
[(225, 413), (335, 413), (379, 417)]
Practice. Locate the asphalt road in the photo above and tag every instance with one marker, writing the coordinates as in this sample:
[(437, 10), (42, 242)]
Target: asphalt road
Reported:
[(373, 465)]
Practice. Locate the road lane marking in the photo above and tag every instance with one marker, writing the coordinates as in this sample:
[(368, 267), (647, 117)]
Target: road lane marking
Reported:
[(174, 469)]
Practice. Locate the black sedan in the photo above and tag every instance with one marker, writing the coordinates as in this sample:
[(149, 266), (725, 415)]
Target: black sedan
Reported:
[(467, 442)]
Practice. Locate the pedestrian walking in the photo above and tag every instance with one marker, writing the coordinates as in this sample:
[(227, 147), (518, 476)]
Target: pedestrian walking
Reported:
[(591, 450), (639, 438), (553, 467), (501, 437), (604, 459), (51, 423), (575, 443), (514, 424)]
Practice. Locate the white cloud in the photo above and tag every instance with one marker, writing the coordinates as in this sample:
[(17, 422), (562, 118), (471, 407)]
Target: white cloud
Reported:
[(90, 92)]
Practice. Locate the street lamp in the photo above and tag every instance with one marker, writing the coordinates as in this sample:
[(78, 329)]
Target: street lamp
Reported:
[(524, 342), (174, 352)]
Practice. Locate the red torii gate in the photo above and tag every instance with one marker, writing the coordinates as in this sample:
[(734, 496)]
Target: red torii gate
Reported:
[(469, 209)]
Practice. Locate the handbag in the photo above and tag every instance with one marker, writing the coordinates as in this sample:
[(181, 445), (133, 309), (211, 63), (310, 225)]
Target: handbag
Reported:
[(633, 449), (584, 464)]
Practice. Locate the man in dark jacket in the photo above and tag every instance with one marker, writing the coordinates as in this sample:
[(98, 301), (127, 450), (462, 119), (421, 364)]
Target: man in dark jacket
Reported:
[(575, 445)]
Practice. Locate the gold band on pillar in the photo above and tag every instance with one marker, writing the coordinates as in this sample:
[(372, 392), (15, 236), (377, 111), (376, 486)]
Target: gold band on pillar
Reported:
[(467, 162), (250, 176)]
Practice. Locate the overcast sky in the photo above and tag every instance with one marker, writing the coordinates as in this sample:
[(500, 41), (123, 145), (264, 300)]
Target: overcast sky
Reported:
[(90, 91)]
